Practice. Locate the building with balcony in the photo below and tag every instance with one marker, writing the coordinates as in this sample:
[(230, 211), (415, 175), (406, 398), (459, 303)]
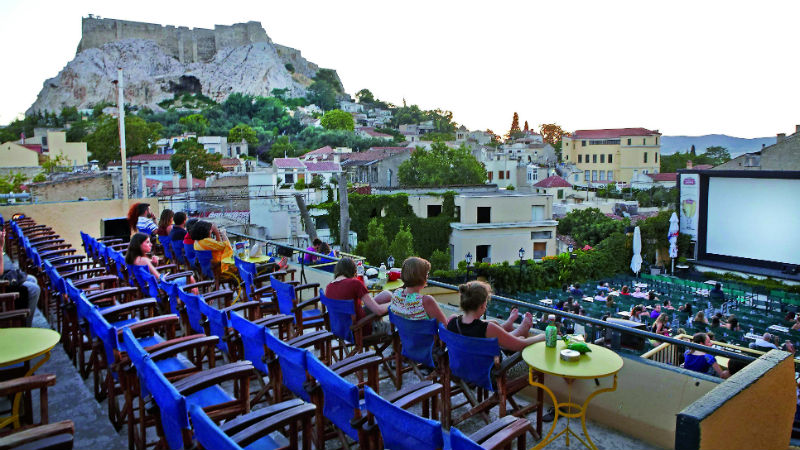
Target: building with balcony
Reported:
[(612, 154)]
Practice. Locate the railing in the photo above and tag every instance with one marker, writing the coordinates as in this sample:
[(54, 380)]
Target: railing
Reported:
[(525, 306)]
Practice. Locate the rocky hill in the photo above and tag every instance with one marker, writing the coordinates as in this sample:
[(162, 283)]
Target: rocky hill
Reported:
[(161, 61), (735, 145)]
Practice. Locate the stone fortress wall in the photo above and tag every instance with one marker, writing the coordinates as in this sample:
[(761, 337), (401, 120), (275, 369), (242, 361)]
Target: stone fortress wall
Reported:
[(185, 44)]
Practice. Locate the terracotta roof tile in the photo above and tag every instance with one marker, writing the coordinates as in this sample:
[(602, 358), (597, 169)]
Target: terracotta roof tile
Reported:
[(663, 176), (552, 181), (323, 166), (288, 163)]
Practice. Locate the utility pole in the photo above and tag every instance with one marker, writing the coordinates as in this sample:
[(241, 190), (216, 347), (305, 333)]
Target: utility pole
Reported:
[(123, 153), (344, 213)]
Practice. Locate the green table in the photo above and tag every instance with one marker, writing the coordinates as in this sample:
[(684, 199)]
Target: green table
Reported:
[(20, 345), (600, 362)]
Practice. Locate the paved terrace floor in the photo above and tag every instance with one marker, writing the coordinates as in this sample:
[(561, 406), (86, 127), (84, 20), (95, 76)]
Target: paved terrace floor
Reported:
[(71, 398)]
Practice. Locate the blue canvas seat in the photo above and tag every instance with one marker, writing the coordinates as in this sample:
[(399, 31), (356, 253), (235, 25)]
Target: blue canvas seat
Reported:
[(166, 244), (286, 296), (414, 340)]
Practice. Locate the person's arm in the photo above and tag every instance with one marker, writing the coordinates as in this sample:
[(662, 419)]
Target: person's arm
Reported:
[(215, 232), (509, 341), (720, 373), (432, 309), (372, 305), (152, 268), (383, 298)]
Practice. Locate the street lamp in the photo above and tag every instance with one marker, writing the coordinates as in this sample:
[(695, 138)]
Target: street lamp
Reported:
[(390, 261), (521, 259), (569, 249), (468, 259)]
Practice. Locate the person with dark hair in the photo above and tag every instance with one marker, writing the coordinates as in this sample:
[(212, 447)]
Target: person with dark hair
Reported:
[(576, 291), (165, 222), (345, 286), (733, 323), (140, 218), (187, 238), (686, 308), (325, 249), (314, 247), (206, 236), (715, 323), (656, 311), (178, 231), (667, 304), (600, 297), (138, 248), (716, 294), (699, 361), (408, 301), (636, 314), (474, 301), (625, 291)]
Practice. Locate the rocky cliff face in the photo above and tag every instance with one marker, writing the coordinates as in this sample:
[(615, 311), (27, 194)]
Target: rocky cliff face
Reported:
[(153, 73)]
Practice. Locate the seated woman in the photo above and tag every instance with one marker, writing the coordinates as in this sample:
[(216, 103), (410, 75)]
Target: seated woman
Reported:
[(661, 325), (165, 223), (733, 323), (345, 286), (699, 361), (474, 301), (637, 314), (407, 301), (314, 247), (325, 249), (206, 236), (610, 302), (138, 248), (700, 317), (687, 308), (140, 218), (625, 291)]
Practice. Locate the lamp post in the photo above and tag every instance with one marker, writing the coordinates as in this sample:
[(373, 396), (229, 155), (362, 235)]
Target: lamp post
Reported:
[(569, 250), (390, 261), (521, 259), (468, 259)]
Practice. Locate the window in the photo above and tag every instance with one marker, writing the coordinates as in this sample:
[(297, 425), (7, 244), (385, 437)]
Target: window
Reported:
[(604, 142), (602, 159), (508, 174), (434, 210), (541, 235), (537, 213), (576, 177), (484, 214), (167, 170), (490, 174), (539, 250), (645, 157), (594, 175), (583, 143), (483, 253), (289, 178), (656, 140), (610, 175), (594, 159), (586, 175), (580, 159), (586, 158), (535, 175), (655, 156), (501, 175), (644, 141), (566, 157), (629, 141), (602, 175), (159, 170), (560, 194), (609, 158)]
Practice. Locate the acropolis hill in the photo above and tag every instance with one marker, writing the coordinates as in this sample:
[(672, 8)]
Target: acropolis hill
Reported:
[(159, 61)]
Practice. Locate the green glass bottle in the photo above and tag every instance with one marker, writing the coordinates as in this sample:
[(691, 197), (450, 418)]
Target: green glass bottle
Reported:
[(551, 332)]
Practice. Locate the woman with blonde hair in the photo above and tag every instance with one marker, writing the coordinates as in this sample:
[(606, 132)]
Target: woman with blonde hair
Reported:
[(700, 317), (408, 301), (661, 325)]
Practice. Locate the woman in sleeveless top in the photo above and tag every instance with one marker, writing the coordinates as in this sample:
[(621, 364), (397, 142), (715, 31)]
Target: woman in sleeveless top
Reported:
[(408, 302), (474, 300)]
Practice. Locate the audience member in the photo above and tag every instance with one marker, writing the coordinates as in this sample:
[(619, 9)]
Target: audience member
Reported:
[(314, 247), (599, 297), (715, 323), (576, 291), (407, 301), (699, 361), (178, 231), (625, 291), (764, 343), (206, 236), (687, 308), (716, 293), (138, 248), (165, 223), (733, 323), (700, 317), (656, 311), (345, 286), (661, 325), (28, 297), (140, 218), (636, 314)]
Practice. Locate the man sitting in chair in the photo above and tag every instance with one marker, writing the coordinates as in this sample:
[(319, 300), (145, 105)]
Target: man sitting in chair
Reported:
[(764, 343)]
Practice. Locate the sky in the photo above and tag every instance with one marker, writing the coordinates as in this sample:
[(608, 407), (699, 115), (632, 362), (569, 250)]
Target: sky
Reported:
[(682, 67)]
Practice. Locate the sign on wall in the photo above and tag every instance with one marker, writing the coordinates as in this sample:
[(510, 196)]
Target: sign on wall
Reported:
[(689, 203)]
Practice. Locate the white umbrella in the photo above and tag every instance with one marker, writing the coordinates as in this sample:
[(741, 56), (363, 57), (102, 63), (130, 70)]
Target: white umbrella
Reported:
[(636, 261), (672, 235)]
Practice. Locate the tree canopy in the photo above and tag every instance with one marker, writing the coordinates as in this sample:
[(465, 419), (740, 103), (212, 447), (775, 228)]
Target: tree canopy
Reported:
[(514, 130), (322, 94), (676, 161), (336, 119), (282, 147), (140, 138), (589, 226), (441, 166), (195, 123), (242, 132), (201, 163)]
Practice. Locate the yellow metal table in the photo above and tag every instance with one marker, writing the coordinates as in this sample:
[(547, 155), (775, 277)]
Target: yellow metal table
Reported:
[(20, 345), (389, 286), (600, 362), (254, 260)]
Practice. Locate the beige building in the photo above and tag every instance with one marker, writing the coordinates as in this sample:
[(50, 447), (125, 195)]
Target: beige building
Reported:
[(784, 154), (494, 226), (74, 151), (15, 155), (613, 154)]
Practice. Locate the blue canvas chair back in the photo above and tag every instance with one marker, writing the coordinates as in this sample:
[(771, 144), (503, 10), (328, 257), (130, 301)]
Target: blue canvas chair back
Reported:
[(246, 273), (177, 251), (340, 314), (400, 429), (140, 274), (204, 258), (106, 333), (460, 441), (341, 397), (85, 241), (253, 341), (217, 324), (293, 364), (188, 253), (171, 289), (417, 337), (207, 433), (471, 359), (166, 243), (284, 293), (35, 258), (192, 303)]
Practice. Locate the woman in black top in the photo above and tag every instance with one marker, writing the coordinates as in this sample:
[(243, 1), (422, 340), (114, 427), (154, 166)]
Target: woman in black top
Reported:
[(474, 300)]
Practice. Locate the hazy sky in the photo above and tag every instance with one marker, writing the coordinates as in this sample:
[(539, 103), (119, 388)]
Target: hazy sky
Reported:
[(683, 67)]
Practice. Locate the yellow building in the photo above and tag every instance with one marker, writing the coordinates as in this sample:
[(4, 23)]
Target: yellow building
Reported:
[(15, 155), (613, 154), (74, 151)]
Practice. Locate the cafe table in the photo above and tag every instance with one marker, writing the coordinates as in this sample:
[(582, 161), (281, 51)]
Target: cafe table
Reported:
[(254, 260), (389, 286), (20, 346), (542, 360)]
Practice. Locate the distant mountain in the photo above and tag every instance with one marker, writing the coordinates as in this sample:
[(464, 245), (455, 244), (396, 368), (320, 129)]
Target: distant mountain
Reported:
[(736, 146)]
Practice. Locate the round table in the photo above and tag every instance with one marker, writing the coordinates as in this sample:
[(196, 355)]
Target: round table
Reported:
[(19, 345), (254, 260), (600, 362), (389, 286)]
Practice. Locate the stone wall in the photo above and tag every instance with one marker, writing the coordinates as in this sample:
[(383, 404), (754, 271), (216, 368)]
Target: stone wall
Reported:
[(182, 43), (92, 187)]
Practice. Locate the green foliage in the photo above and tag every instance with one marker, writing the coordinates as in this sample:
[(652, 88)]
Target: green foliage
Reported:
[(195, 123), (289, 67), (313, 138), (316, 182), (589, 226), (242, 132), (329, 76), (374, 249), (676, 161), (659, 196), (434, 136), (402, 245), (59, 163), (12, 182), (441, 166), (510, 187), (282, 147), (140, 138), (322, 94), (40, 177), (336, 119), (202, 164), (364, 96), (398, 136), (78, 131), (440, 260), (717, 155), (300, 185), (442, 120), (70, 114)]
